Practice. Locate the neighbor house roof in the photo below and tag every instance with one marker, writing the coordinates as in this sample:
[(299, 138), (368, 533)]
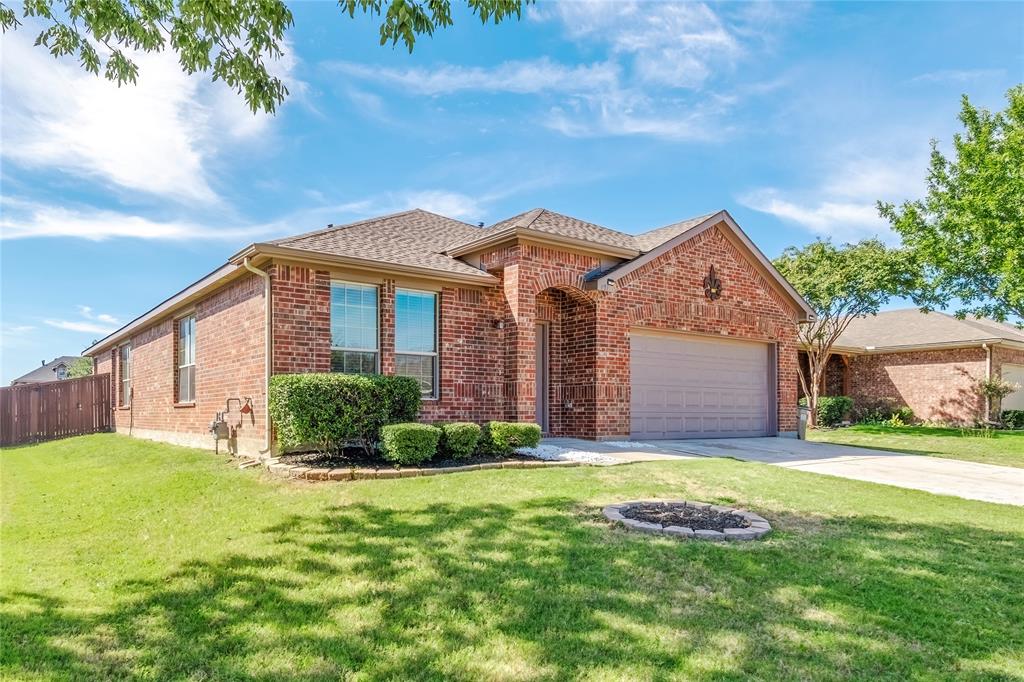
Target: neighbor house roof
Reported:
[(911, 329), (47, 372), (430, 245)]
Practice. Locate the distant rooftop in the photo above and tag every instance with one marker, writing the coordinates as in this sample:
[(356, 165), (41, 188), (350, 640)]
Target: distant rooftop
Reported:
[(911, 327)]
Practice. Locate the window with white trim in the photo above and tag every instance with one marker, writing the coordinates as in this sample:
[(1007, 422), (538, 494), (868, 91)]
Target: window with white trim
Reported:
[(187, 359), (416, 338), (124, 359), (354, 335)]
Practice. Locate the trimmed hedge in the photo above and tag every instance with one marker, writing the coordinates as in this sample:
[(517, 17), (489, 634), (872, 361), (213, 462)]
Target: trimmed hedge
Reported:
[(459, 439), (1013, 419), (502, 438), (409, 443), (327, 411)]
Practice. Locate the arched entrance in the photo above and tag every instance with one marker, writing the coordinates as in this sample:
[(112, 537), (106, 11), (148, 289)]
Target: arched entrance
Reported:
[(566, 359)]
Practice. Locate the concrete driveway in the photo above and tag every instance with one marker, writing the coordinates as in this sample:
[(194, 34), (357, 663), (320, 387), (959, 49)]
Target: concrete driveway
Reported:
[(970, 480)]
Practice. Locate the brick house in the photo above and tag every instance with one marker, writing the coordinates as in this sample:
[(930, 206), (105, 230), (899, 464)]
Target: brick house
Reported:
[(683, 331), (930, 362)]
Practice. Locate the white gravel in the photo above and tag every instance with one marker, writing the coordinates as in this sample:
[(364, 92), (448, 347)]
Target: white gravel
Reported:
[(557, 454)]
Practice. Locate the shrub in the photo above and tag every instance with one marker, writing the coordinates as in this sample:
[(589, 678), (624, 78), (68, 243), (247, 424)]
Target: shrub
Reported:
[(409, 443), (459, 440), (326, 411), (502, 438), (832, 409), (883, 411), (1013, 419)]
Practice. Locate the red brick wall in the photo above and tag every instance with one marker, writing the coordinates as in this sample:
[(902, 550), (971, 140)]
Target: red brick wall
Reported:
[(938, 385), (229, 364), (300, 299), (471, 357)]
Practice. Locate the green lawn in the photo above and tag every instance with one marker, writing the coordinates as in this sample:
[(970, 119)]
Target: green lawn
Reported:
[(998, 447), (126, 559)]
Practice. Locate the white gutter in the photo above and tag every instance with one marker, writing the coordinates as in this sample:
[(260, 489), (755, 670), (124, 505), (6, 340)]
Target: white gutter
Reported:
[(268, 340)]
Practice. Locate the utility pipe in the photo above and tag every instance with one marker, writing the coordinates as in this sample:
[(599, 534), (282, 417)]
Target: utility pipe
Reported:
[(267, 350)]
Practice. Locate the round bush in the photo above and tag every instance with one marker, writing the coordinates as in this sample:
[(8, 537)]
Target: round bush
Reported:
[(409, 443), (459, 440), (502, 438)]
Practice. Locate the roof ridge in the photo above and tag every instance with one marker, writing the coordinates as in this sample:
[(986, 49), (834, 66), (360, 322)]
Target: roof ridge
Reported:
[(679, 222), (537, 213), (365, 221)]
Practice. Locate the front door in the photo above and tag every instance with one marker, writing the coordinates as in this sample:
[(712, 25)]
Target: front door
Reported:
[(541, 348)]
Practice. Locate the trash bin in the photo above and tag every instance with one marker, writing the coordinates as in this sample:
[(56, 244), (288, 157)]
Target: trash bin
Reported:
[(805, 415)]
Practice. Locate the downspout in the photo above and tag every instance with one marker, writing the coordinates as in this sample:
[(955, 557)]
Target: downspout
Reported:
[(988, 376), (267, 350)]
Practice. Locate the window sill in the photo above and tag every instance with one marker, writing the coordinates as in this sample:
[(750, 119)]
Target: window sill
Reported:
[(177, 405), (123, 408)]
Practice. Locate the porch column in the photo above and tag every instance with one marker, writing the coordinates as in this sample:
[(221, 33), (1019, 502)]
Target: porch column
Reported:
[(520, 349)]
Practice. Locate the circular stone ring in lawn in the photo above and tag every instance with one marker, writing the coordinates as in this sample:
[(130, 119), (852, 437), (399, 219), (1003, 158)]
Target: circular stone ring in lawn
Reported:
[(684, 519)]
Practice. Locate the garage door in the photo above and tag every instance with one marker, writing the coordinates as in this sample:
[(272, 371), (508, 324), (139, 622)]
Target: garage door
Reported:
[(698, 387), (1015, 375)]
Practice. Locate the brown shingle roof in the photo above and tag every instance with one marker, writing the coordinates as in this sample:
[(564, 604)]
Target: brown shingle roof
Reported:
[(648, 241), (558, 224), (911, 327), (411, 238), (419, 238)]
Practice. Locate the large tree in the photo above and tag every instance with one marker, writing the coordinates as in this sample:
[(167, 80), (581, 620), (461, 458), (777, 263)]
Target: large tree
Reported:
[(80, 367), (841, 283), (230, 38), (968, 234)]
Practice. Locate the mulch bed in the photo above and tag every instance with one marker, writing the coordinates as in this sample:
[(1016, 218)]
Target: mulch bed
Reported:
[(357, 458), (677, 514)]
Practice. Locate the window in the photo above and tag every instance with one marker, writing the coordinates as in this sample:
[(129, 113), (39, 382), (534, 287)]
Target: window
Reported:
[(416, 338), (353, 328), (62, 372), (187, 359), (125, 360)]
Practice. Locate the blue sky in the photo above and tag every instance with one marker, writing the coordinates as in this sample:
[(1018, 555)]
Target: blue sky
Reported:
[(794, 117)]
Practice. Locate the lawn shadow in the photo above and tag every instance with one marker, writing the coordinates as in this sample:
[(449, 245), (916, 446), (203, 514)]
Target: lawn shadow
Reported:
[(543, 591)]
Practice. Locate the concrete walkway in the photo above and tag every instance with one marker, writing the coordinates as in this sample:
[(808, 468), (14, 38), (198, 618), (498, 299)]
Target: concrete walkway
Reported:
[(970, 480)]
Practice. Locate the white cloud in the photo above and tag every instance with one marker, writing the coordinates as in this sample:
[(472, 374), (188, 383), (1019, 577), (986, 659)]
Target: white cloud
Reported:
[(842, 219), (520, 77), (86, 312), (659, 56), (843, 204), (80, 326), (91, 322), (451, 204), (672, 44), (957, 75), (156, 136), (22, 220), (630, 112)]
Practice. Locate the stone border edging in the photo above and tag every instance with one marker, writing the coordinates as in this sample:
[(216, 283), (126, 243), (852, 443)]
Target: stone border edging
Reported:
[(759, 526), (283, 470)]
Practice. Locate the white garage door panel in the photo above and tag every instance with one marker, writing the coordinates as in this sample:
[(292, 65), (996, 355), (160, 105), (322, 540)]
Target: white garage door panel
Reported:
[(693, 387), (1015, 375)]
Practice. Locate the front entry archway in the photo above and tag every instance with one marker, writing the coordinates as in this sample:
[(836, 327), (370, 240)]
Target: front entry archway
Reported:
[(566, 362)]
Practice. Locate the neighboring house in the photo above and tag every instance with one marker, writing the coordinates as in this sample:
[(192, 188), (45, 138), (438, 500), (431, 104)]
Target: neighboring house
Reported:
[(930, 362), (55, 370), (682, 331)]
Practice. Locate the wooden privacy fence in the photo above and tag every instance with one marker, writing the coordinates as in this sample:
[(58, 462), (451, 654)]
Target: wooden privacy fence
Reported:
[(30, 413)]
